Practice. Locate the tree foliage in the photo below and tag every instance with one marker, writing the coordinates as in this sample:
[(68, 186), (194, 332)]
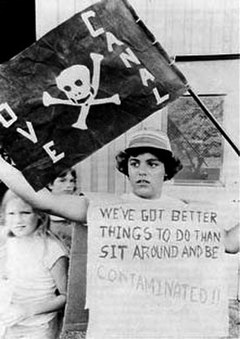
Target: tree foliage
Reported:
[(194, 138)]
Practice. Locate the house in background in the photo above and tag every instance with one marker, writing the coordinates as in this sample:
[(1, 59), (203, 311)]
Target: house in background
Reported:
[(203, 38)]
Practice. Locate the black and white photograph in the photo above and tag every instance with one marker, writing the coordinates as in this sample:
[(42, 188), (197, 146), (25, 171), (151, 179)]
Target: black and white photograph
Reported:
[(119, 169)]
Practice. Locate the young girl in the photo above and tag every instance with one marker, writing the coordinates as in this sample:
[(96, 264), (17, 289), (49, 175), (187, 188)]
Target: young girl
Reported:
[(36, 269)]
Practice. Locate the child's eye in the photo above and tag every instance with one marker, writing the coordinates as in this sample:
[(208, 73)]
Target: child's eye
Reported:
[(134, 164), (154, 164)]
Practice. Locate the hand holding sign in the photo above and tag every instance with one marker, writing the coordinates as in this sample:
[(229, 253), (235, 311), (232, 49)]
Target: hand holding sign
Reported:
[(146, 172)]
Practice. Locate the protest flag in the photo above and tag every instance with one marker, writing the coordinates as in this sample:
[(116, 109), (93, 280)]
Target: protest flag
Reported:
[(80, 86)]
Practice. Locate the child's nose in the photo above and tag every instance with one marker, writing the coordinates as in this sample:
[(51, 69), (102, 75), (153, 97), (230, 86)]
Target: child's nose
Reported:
[(142, 169), (18, 218)]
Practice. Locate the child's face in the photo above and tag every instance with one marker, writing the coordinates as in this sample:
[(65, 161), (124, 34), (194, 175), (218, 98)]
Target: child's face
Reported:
[(146, 175), (20, 218), (64, 185)]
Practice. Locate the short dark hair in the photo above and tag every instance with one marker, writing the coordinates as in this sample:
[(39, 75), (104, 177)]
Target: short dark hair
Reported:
[(171, 163), (63, 174)]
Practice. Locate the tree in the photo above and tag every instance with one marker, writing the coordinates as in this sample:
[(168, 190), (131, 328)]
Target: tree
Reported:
[(194, 138)]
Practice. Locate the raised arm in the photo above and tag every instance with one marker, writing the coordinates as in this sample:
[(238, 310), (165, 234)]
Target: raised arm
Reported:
[(71, 207)]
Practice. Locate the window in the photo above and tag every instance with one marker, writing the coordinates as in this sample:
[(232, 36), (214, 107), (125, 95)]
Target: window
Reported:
[(195, 140)]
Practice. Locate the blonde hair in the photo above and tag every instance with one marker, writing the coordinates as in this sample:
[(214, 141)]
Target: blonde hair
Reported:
[(43, 226)]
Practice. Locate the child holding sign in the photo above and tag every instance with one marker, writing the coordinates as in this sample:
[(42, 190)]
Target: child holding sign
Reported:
[(147, 162), (35, 271)]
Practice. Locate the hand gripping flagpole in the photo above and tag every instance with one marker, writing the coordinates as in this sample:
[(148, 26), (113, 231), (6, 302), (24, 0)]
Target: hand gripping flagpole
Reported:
[(214, 121)]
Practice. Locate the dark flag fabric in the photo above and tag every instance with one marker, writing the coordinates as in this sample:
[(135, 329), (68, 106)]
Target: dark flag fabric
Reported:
[(80, 86)]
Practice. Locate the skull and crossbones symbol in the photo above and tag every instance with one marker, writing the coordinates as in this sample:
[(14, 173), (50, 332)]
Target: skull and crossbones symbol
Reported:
[(75, 82)]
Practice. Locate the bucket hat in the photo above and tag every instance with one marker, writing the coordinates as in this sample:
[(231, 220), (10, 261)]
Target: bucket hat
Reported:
[(150, 139), (153, 141)]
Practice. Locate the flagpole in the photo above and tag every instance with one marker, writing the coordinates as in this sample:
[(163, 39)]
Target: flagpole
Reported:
[(171, 63), (214, 121)]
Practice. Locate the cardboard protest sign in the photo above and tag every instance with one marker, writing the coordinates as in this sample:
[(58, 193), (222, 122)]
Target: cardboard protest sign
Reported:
[(155, 271), (80, 86)]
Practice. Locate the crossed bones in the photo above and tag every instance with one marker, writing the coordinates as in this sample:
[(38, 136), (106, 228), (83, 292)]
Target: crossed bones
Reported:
[(85, 90)]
